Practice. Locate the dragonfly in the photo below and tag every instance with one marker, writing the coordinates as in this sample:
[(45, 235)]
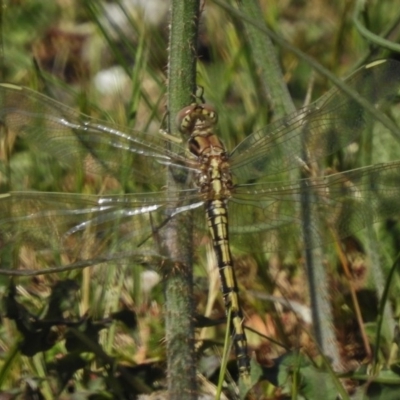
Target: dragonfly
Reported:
[(241, 198)]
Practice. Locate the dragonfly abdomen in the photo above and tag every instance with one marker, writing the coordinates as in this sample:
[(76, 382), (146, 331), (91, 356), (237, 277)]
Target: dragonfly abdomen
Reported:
[(217, 220)]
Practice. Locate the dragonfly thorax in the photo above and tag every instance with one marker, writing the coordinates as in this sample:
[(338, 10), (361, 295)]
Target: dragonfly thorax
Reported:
[(214, 178)]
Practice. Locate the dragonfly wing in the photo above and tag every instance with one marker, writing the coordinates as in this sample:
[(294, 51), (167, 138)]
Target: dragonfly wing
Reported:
[(79, 141), (72, 227), (331, 123), (340, 205)]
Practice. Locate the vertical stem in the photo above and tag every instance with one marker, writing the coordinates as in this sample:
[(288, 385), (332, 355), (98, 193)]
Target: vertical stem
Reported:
[(2, 66), (374, 250), (179, 323), (266, 60), (182, 56), (271, 77), (317, 278)]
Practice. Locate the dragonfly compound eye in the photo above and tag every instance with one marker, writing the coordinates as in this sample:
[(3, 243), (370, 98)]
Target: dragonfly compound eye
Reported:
[(184, 120), (195, 114), (209, 114)]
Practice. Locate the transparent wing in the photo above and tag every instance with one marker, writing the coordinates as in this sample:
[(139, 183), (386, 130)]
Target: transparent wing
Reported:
[(67, 228), (342, 204), (329, 124), (267, 214), (77, 140)]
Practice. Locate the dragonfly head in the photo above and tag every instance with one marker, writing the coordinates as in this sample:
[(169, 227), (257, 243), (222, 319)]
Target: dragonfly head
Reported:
[(196, 117)]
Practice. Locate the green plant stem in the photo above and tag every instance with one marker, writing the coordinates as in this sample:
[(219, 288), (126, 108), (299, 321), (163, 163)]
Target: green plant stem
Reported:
[(266, 61), (386, 319), (271, 78), (367, 34), (178, 278)]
